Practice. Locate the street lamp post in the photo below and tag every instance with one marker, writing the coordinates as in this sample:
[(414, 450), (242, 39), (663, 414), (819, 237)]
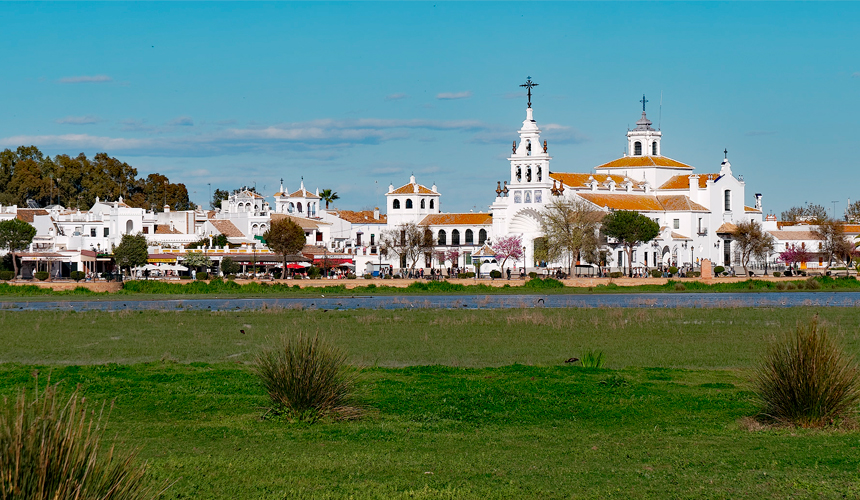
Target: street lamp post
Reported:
[(524, 262)]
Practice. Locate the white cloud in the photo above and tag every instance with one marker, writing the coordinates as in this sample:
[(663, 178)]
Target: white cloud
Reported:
[(326, 137), (86, 79), (856, 74), (181, 121), (78, 120), (444, 96), (395, 97)]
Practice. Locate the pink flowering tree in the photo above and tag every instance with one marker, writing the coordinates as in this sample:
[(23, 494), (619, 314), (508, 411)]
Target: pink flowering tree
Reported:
[(453, 256), (509, 247), (794, 255)]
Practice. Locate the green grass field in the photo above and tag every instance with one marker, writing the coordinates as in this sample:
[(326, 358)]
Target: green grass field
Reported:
[(465, 404)]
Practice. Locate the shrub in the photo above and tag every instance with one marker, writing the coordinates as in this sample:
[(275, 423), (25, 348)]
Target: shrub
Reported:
[(201, 275), (314, 272), (806, 379), (616, 274), (6, 275), (185, 277), (812, 284), (276, 273), (466, 275), (694, 274), (673, 270), (533, 275), (368, 276), (679, 287), (108, 276), (592, 359), (495, 273), (544, 283), (782, 286), (656, 273), (231, 277), (719, 270), (78, 275), (41, 275), (308, 379), (51, 447), (777, 274), (791, 286)]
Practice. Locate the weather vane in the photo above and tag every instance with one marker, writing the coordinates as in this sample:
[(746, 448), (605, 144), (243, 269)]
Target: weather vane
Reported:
[(529, 84)]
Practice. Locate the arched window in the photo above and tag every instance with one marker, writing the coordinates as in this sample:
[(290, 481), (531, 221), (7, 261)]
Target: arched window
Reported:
[(431, 204), (255, 229), (443, 238), (396, 204), (528, 148), (299, 206), (455, 237), (539, 172), (654, 148), (519, 174), (129, 227), (291, 207), (637, 148), (408, 202), (482, 236), (529, 174), (422, 203), (470, 239)]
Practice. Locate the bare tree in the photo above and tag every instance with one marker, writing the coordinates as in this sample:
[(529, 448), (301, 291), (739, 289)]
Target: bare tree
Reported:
[(834, 244), (809, 213), (571, 228), (408, 241), (852, 213), (751, 241)]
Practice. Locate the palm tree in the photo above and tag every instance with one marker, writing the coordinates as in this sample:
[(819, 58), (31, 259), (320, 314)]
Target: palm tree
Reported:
[(329, 196)]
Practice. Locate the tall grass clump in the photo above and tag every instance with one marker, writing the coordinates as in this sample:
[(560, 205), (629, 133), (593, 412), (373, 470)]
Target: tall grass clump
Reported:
[(807, 380), (51, 447), (307, 379), (592, 359)]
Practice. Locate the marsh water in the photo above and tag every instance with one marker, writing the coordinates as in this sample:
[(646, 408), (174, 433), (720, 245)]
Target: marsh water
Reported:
[(662, 300)]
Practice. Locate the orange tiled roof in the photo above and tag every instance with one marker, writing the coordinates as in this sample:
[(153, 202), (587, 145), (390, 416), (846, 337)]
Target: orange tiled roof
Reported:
[(620, 201), (361, 217), (227, 228), (27, 214), (680, 203), (457, 219), (409, 189), (303, 193), (852, 228), (794, 235), (677, 236), (165, 229), (751, 209), (683, 181), (727, 227), (577, 180), (644, 161), (301, 221), (484, 251)]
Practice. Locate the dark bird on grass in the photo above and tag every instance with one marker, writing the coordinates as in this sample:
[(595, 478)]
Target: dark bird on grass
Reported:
[(572, 360), (243, 332)]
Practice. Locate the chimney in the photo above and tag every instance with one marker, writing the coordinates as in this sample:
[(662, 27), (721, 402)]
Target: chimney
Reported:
[(694, 188), (376, 213), (166, 208), (611, 184), (758, 201)]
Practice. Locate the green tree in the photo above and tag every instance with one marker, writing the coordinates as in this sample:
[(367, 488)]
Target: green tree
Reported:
[(218, 241), (285, 237), (131, 251), (15, 236), (328, 196), (229, 266), (217, 197), (630, 228), (571, 228), (196, 260), (751, 241)]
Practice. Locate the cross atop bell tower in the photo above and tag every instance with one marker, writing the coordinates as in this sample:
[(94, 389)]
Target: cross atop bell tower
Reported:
[(529, 85), (643, 101)]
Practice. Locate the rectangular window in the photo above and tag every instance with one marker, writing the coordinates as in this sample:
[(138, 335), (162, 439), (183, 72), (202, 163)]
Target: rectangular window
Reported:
[(93, 232), (657, 220), (676, 223), (107, 231), (358, 239), (620, 257), (372, 239), (634, 255), (145, 230), (468, 259), (728, 200)]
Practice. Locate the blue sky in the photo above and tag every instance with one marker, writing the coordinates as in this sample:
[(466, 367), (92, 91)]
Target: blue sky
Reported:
[(354, 96)]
